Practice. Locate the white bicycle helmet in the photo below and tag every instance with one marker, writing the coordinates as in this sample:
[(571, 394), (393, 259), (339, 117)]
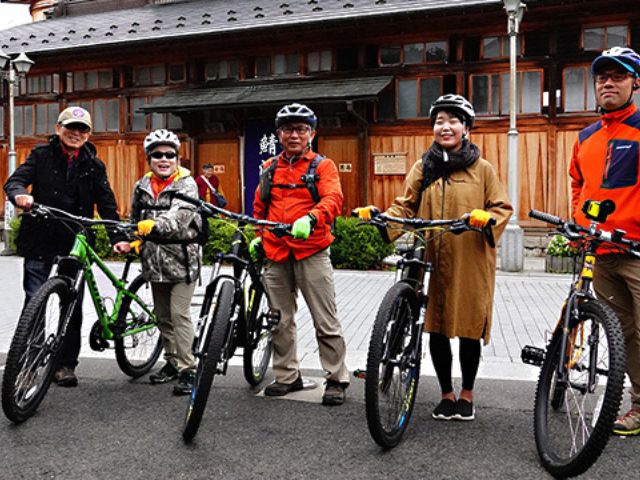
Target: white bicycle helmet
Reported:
[(296, 112), (161, 137), (624, 56), (457, 103)]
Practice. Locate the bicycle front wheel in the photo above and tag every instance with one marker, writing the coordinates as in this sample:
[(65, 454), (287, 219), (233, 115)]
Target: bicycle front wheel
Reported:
[(137, 351), (393, 366), (34, 350), (211, 349), (257, 351), (574, 416)]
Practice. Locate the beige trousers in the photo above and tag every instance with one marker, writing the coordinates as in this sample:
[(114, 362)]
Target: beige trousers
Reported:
[(172, 303), (616, 281), (313, 276)]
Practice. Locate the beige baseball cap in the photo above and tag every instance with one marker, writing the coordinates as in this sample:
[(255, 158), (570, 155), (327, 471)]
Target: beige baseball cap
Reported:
[(74, 115)]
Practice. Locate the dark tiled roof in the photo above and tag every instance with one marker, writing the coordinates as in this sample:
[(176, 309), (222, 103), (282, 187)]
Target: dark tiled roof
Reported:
[(202, 17), (248, 95)]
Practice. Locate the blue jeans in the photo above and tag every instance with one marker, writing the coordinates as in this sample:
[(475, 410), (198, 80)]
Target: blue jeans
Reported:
[(35, 273)]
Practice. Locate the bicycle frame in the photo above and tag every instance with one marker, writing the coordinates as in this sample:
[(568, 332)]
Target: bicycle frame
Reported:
[(84, 258)]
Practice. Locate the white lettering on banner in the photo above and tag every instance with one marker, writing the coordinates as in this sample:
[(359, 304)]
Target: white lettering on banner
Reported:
[(268, 144)]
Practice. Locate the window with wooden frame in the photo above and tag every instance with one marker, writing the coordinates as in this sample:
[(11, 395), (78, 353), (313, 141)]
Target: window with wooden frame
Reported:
[(149, 75), (222, 70), (603, 37), (176, 73), (280, 64), (39, 84), (418, 53), (577, 87), (497, 46), (37, 119), (23, 120), (320, 61), (89, 80), (143, 122), (414, 96), (490, 92), (105, 114)]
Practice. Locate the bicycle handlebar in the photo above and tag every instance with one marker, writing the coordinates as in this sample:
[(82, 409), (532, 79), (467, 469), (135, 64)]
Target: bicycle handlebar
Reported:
[(574, 231), (38, 209), (457, 225), (211, 210)]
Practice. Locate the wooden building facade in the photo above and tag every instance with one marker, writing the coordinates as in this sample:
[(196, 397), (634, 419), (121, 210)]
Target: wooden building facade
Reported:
[(217, 71)]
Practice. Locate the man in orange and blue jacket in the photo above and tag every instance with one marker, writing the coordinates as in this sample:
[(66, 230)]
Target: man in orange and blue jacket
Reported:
[(604, 165)]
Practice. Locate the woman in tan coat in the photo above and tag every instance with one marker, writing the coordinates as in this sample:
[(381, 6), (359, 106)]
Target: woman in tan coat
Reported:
[(452, 180)]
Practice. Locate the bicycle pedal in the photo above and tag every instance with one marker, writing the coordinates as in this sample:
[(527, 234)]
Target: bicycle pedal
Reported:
[(533, 355), (359, 373), (273, 318)]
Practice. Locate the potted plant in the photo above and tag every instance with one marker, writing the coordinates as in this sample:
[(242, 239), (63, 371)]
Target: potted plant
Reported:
[(560, 255)]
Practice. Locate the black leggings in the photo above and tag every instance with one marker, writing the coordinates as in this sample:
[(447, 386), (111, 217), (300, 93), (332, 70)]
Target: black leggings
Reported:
[(440, 348)]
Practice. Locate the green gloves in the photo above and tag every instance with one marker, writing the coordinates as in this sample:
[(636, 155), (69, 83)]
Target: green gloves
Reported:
[(302, 227), (254, 245)]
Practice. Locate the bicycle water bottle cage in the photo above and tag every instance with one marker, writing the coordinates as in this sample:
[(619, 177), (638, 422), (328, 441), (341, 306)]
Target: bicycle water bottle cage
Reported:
[(598, 211), (69, 267)]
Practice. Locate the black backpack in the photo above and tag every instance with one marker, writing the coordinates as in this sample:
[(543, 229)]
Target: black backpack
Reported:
[(309, 180)]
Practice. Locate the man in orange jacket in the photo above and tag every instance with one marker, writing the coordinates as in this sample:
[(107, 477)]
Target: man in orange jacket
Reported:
[(301, 188), (604, 165)]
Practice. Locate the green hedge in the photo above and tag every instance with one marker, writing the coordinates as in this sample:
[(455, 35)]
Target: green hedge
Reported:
[(357, 247)]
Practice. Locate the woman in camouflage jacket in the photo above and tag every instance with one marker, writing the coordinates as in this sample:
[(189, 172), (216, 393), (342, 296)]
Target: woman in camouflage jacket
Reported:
[(170, 252)]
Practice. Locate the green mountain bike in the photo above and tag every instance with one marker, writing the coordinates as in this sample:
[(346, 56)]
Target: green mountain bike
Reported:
[(126, 323)]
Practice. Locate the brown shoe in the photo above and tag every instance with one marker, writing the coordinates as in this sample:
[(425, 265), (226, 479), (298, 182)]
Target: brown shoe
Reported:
[(65, 377), (334, 393), (280, 389)]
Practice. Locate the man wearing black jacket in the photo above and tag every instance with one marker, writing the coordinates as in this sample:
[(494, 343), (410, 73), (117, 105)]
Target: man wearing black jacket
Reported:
[(66, 174)]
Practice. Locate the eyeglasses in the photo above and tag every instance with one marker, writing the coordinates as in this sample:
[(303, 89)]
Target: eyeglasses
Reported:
[(78, 127), (617, 77), (167, 155), (301, 130)]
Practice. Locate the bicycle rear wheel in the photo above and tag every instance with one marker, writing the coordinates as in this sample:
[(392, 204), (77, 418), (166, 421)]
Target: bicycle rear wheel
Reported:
[(212, 346), (137, 353), (257, 351), (393, 366), (33, 353), (574, 419)]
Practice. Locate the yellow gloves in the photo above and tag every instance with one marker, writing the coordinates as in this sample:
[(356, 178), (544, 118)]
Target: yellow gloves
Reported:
[(145, 227), (479, 218), (365, 213), (135, 246)]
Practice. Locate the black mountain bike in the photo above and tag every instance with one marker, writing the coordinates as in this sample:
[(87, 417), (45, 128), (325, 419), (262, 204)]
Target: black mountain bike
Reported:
[(126, 322), (581, 381), (235, 312), (393, 359)]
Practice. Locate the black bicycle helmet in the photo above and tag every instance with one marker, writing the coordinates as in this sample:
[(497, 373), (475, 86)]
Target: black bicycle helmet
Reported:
[(296, 112), (454, 103), (626, 57)]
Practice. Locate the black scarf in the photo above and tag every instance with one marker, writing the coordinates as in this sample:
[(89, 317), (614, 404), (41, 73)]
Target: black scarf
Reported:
[(434, 165)]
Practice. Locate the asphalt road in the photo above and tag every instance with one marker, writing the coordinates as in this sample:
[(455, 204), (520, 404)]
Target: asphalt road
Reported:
[(110, 427)]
